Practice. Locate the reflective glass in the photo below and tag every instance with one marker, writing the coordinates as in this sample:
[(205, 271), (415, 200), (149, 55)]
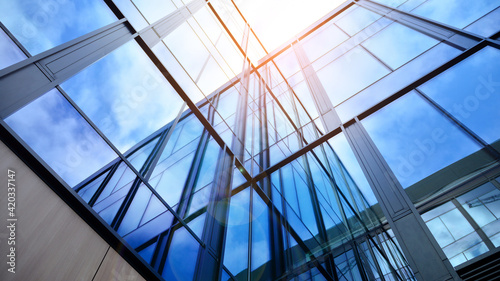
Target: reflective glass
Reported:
[(61, 137), (470, 91), (356, 20), (261, 244), (154, 10), (138, 158), (487, 25), (42, 25), (458, 13), (237, 233), (350, 73), (181, 258), (397, 44), (347, 160), (9, 51), (125, 95), (322, 41), (415, 139)]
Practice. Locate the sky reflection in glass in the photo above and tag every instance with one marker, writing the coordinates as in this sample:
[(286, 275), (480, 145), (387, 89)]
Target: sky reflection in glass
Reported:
[(62, 138), (470, 91), (350, 73), (125, 95), (458, 13), (397, 44), (9, 52), (41, 25), (415, 139)]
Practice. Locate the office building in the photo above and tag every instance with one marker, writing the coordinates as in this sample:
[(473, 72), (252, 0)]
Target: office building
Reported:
[(251, 140)]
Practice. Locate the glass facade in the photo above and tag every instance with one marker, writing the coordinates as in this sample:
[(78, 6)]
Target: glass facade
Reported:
[(213, 157)]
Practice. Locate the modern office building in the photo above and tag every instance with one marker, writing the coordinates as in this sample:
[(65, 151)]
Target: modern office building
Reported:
[(250, 140)]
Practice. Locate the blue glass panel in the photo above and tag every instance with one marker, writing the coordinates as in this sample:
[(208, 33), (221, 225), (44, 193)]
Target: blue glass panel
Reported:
[(173, 180), (356, 20), (348, 161), (138, 158), (470, 91), (261, 244), (397, 44), (125, 95), (135, 211), (41, 25), (415, 139), (149, 230), (197, 224), (89, 190), (322, 41), (61, 137), (350, 73), (147, 254), (181, 258), (207, 170), (9, 51), (154, 10), (458, 13), (236, 248)]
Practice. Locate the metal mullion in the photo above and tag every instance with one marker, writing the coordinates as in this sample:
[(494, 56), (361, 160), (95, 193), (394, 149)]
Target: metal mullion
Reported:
[(189, 102), (374, 258), (474, 225), (433, 73), (238, 10), (303, 34), (124, 159), (357, 216), (163, 143), (243, 52), (446, 27), (69, 196), (197, 162), (104, 183), (124, 206), (94, 176), (381, 250)]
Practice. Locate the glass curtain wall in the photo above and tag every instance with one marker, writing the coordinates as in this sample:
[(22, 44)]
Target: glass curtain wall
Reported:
[(210, 155)]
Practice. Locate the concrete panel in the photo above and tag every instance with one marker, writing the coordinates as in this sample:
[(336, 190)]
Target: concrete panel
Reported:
[(114, 267)]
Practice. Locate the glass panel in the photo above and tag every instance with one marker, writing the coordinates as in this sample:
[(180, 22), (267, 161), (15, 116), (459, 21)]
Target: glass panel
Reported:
[(154, 10), (458, 13), (237, 231), (61, 137), (173, 180), (181, 258), (487, 25), (90, 189), (322, 41), (138, 158), (42, 25), (350, 73), (470, 92), (356, 20), (261, 244), (9, 51), (125, 96), (397, 44), (415, 139)]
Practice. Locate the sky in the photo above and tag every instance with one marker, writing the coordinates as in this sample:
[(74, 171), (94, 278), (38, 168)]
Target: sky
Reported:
[(278, 21)]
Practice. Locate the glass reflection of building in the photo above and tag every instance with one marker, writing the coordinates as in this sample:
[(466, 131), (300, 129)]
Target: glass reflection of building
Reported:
[(364, 148)]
